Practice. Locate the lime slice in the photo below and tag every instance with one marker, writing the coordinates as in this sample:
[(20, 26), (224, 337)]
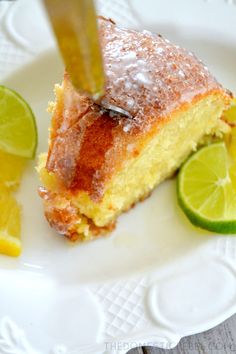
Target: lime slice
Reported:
[(205, 190), (18, 132), (10, 224)]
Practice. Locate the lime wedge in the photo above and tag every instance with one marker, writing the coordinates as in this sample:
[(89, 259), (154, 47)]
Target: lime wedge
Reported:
[(18, 132), (206, 192)]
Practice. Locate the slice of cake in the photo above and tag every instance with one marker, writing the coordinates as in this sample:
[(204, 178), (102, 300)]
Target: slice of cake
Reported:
[(100, 164)]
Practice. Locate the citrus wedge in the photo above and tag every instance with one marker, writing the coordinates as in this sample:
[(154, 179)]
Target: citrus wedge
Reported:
[(231, 143), (10, 224), (205, 190), (18, 133), (11, 170), (230, 114)]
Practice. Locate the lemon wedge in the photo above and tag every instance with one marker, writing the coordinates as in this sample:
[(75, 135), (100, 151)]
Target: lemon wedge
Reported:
[(10, 224), (11, 170)]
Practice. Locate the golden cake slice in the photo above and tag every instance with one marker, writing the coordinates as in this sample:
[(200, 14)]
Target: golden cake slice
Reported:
[(100, 164)]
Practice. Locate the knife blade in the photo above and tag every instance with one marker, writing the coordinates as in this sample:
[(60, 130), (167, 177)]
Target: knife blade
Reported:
[(75, 26)]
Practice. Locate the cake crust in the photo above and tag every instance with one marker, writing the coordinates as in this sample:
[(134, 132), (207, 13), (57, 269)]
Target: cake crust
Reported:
[(65, 220)]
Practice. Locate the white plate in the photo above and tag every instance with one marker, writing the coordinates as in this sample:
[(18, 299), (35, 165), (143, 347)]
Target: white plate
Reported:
[(156, 279)]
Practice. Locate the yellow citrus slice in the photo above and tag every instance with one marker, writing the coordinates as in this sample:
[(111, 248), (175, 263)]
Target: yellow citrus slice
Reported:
[(230, 114), (10, 224), (11, 169)]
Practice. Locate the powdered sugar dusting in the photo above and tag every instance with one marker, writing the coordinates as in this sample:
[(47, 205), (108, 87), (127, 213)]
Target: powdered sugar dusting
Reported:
[(181, 73), (145, 32), (127, 127), (142, 78), (129, 57), (147, 75), (160, 50), (130, 102)]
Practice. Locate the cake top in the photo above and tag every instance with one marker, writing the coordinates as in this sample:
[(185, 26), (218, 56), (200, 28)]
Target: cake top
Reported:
[(147, 75)]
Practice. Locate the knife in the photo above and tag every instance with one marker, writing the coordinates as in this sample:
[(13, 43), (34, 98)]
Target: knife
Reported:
[(75, 26)]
